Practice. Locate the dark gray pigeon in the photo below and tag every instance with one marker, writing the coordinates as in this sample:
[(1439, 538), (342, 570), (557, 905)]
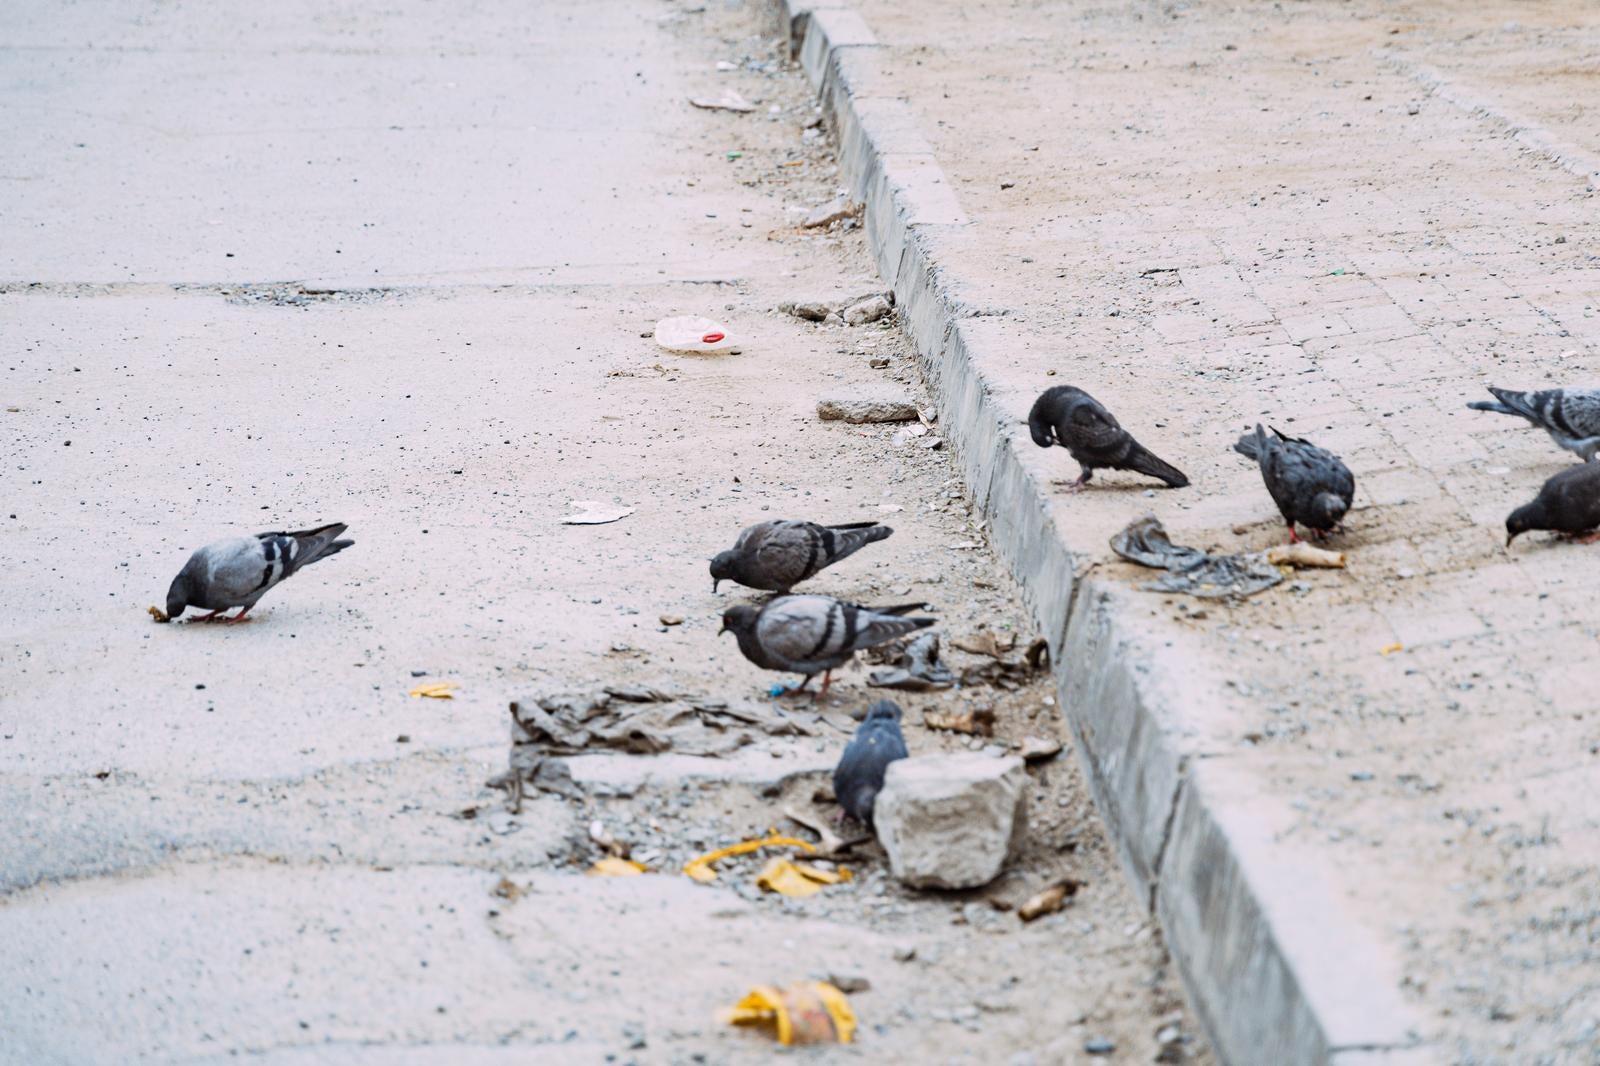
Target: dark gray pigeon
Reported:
[(238, 571), (814, 635), (775, 556), (1070, 417), (1570, 416), (858, 778), (1568, 503), (1309, 484)]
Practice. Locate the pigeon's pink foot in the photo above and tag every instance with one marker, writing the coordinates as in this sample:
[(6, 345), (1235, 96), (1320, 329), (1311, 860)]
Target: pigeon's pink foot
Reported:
[(827, 679), (1294, 538), (236, 619), (1589, 538), (212, 617)]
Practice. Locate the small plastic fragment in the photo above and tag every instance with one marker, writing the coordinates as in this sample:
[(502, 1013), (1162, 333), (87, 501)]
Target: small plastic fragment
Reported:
[(789, 878), (693, 335), (807, 1012), (437, 690), (611, 866)]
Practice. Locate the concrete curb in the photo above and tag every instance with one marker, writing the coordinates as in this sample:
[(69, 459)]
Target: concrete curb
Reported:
[(1277, 969)]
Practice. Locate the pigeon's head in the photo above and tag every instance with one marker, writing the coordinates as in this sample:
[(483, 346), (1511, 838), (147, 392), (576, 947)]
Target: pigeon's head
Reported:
[(722, 568), (883, 709), (1520, 521), (740, 619), (178, 595), (1325, 511)]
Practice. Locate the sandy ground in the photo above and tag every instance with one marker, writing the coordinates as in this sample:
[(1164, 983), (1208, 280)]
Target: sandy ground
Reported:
[(395, 269), (1211, 216)]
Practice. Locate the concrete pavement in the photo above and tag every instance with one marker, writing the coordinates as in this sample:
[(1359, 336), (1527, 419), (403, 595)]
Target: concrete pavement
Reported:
[(271, 267)]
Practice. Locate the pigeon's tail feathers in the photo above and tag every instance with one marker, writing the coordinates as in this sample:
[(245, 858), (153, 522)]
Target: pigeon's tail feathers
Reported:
[(902, 609), (1251, 445), (1142, 460), (841, 542), (1517, 403), (860, 800), (863, 525), (314, 544)]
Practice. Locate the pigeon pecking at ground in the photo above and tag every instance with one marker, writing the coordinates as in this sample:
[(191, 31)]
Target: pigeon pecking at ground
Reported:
[(1570, 416), (240, 570), (858, 778), (1568, 503), (775, 556), (814, 635), (1309, 484), (1070, 417)]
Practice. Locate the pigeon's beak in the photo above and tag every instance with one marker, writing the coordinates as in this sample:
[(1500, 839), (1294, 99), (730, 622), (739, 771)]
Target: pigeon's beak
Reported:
[(1509, 538), (723, 630), (714, 583)]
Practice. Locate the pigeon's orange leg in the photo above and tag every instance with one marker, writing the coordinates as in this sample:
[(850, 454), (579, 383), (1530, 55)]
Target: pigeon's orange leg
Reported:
[(801, 687), (212, 617), (1294, 538), (236, 619), (1082, 482), (827, 679), (1589, 538)]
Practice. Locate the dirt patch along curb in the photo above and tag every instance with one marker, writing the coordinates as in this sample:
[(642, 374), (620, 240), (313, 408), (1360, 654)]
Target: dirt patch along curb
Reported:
[(1269, 960)]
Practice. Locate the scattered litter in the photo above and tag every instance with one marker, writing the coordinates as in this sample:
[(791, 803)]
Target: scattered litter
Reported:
[(910, 432), (920, 669), (1191, 570), (693, 335), (607, 842), (807, 1012), (849, 984), (699, 868), (644, 721), (798, 880), (1302, 554), (508, 889), (978, 722), (1039, 749), (595, 513), (829, 842), (1049, 900), (435, 690), (611, 866), (1009, 674), (810, 310), (158, 614), (1390, 649), (730, 100), (1099, 1045)]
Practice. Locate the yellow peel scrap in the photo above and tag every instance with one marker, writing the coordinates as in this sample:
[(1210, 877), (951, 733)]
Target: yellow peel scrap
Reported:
[(611, 866), (699, 868), (809, 1012), (789, 878), (437, 690), (158, 614), (1390, 649)]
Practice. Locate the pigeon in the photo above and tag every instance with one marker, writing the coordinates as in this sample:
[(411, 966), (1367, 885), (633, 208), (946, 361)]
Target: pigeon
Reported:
[(1309, 484), (858, 778), (1568, 503), (1570, 416), (813, 635), (775, 556), (1075, 420), (238, 571)]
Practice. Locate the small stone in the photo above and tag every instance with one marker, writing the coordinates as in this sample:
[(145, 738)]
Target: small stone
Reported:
[(905, 953), (672, 619), (810, 310), (1099, 1045), (951, 821), (836, 210), (1039, 749), (870, 309), (867, 405), (879, 362)]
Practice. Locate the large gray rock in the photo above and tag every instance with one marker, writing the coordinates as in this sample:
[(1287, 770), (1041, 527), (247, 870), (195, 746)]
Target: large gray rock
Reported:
[(870, 404), (951, 821)]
